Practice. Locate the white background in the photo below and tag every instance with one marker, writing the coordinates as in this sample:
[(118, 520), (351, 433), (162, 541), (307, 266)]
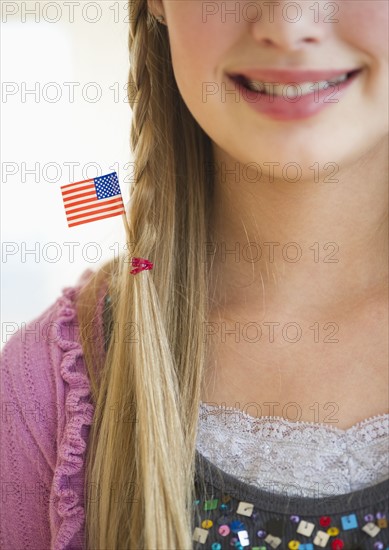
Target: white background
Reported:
[(44, 130)]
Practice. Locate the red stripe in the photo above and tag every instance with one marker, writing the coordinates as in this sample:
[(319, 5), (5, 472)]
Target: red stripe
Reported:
[(76, 183), (93, 205), (64, 193), (94, 219), (91, 193), (76, 203), (70, 218)]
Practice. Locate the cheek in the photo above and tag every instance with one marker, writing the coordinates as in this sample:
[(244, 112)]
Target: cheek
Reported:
[(364, 24), (198, 43)]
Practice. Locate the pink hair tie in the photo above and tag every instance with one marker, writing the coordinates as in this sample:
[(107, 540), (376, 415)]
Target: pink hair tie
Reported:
[(140, 264)]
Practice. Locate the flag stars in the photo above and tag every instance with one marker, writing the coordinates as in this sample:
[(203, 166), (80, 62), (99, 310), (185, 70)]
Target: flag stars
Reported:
[(107, 186)]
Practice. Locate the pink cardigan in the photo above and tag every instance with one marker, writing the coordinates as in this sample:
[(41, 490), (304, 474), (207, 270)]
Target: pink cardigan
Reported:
[(46, 418)]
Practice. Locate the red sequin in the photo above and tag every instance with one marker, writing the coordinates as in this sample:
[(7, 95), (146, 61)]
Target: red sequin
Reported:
[(325, 521)]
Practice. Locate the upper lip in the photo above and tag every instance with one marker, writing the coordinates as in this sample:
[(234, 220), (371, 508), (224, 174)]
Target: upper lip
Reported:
[(284, 76)]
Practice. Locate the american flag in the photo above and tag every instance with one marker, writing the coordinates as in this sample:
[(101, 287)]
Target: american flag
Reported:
[(90, 200)]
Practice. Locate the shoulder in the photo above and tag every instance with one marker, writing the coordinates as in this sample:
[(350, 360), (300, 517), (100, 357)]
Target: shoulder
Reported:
[(47, 413), (42, 351)]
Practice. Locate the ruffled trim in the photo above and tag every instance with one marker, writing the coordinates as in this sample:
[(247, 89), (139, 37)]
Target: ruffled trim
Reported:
[(78, 413)]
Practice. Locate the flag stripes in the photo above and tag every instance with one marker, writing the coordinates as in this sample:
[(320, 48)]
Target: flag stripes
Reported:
[(90, 200)]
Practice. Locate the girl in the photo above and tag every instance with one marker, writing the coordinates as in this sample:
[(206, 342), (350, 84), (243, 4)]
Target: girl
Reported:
[(236, 394)]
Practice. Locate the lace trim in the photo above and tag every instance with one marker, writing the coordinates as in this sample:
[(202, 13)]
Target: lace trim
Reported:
[(78, 414), (301, 457), (365, 431)]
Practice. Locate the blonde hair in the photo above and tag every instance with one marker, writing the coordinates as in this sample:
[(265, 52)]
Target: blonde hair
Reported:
[(143, 468)]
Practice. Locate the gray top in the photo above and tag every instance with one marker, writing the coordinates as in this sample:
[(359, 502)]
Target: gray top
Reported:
[(263, 519)]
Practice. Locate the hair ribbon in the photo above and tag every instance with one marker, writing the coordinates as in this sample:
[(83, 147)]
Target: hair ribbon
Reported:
[(140, 264)]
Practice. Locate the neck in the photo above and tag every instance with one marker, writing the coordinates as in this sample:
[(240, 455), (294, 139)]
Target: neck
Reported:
[(304, 246)]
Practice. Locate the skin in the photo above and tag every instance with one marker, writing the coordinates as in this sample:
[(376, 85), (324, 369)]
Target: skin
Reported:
[(350, 211)]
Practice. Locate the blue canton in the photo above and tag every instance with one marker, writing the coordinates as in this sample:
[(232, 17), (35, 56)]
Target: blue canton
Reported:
[(107, 186)]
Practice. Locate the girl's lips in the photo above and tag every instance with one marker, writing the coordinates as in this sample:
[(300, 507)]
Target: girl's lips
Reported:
[(287, 76), (287, 108)]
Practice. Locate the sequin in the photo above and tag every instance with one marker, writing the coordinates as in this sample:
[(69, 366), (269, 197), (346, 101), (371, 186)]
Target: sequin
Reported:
[(293, 544), (237, 526), (368, 517), (333, 531), (244, 538), (245, 509), (325, 521), (224, 530), (349, 522), (371, 529), (295, 519), (211, 504), (378, 545), (321, 539), (337, 544), (273, 541), (206, 524), (200, 535), (305, 528)]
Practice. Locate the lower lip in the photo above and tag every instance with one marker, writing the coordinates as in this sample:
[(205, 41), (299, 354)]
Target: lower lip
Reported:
[(302, 106)]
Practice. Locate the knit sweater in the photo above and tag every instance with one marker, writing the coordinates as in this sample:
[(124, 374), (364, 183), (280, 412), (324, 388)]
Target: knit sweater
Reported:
[(46, 417)]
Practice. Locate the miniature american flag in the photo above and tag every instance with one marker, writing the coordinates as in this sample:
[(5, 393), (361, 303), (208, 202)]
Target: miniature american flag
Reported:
[(90, 200)]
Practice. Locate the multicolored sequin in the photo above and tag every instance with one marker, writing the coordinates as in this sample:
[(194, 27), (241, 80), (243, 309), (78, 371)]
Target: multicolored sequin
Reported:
[(226, 522)]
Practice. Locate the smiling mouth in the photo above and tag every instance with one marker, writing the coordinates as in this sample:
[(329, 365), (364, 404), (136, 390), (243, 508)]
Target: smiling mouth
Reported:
[(276, 88)]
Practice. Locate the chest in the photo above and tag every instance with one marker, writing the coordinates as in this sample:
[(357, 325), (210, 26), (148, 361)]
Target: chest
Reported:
[(332, 371)]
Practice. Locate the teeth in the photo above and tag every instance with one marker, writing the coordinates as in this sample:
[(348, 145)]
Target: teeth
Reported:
[(302, 88)]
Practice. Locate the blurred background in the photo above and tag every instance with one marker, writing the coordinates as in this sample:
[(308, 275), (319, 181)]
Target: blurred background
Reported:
[(65, 118)]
